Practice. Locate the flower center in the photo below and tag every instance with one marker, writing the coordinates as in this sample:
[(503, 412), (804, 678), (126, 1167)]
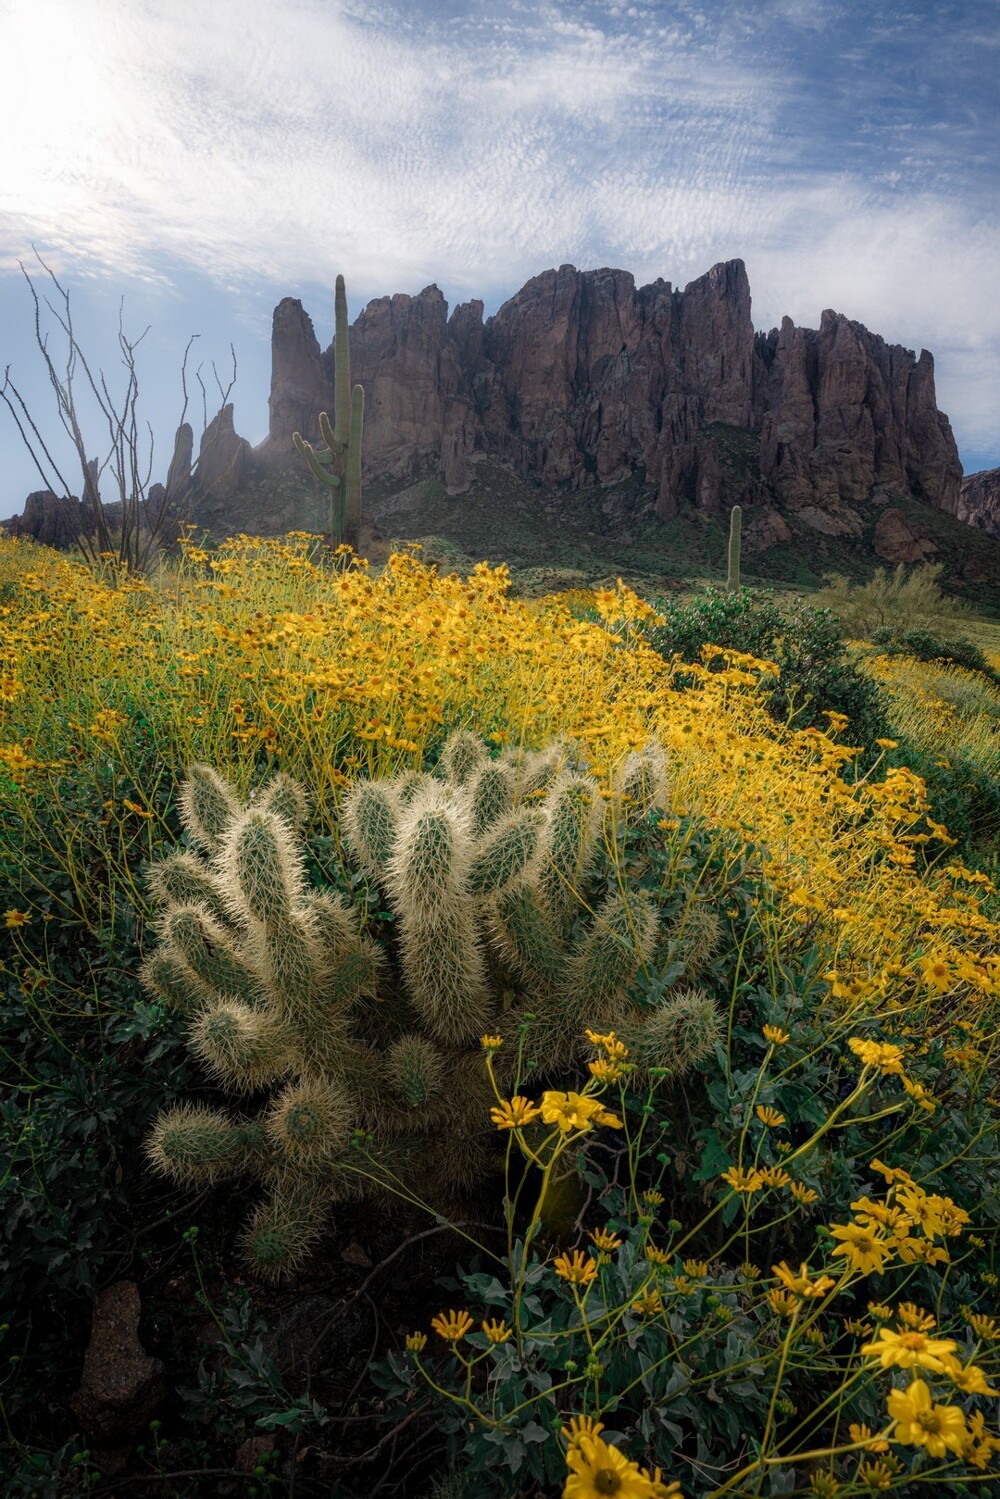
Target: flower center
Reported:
[(912, 1339), (930, 1422), (607, 1481)]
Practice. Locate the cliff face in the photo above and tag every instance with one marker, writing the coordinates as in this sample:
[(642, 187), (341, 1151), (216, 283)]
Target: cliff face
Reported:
[(979, 501), (582, 379)]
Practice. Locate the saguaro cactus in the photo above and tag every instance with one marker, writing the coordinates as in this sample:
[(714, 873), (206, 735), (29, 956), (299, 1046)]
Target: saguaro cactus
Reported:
[(506, 923), (338, 465), (735, 530)]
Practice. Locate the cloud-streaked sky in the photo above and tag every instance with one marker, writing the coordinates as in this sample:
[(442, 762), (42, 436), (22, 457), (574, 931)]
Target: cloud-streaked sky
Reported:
[(203, 158)]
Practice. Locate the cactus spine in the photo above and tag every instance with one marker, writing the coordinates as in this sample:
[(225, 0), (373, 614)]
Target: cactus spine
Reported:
[(735, 530), (508, 920), (338, 465)]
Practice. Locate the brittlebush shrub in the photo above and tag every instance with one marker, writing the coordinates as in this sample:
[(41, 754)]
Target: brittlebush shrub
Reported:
[(814, 674)]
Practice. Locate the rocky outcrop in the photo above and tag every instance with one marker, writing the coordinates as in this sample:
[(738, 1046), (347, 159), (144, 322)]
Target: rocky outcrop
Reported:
[(301, 386), (223, 458), (979, 501), (583, 379), (179, 473), (895, 542), (51, 520), (842, 413)]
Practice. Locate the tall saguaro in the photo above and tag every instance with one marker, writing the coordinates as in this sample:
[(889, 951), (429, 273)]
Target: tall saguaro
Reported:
[(338, 465)]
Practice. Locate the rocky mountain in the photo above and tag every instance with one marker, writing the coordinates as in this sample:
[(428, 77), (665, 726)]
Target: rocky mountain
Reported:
[(979, 501), (582, 381)]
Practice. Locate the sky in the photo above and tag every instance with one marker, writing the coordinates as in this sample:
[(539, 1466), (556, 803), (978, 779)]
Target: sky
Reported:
[(188, 163)]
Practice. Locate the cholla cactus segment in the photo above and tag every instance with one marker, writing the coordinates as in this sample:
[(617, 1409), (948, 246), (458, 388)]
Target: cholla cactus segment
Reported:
[(284, 1229), (674, 1036), (491, 794), (207, 951), (416, 1069), (287, 800), (168, 978), (526, 937), (445, 970), (309, 1122), (195, 1145), (332, 922), (461, 757), (182, 879), (506, 851), (569, 850), (207, 807), (609, 958), (244, 1047), (260, 867), (698, 935), (534, 771), (426, 872), (291, 961), (643, 781), (370, 816)]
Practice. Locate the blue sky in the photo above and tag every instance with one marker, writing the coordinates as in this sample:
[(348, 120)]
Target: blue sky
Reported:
[(203, 158)]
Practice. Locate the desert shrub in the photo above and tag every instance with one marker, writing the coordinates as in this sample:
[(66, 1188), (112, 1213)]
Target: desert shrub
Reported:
[(815, 675), (905, 599), (925, 646), (946, 722)]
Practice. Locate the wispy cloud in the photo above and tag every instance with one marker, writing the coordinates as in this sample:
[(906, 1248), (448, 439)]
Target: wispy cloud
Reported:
[(267, 143)]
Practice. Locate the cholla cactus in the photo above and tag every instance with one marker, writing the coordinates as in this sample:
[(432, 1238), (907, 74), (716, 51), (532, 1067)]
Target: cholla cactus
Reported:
[(488, 866)]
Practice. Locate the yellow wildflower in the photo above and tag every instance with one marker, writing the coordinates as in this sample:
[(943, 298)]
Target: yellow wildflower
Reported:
[(769, 1116), (881, 1054), (968, 1378), (605, 1241), (919, 1422), (649, 1304), (582, 1426), (776, 1036), (865, 1434), (911, 1315), (578, 1268), (496, 1332), (774, 1176), (491, 1043), (801, 1284), (743, 1181), (909, 1349), (597, 1469), (570, 1111), (15, 919), (781, 1303), (416, 1342), (803, 1194), (862, 1248), (515, 1113), (984, 1327), (452, 1326)]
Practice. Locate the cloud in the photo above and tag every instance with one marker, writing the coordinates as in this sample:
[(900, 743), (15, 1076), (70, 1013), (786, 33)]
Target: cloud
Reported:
[(269, 143)]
